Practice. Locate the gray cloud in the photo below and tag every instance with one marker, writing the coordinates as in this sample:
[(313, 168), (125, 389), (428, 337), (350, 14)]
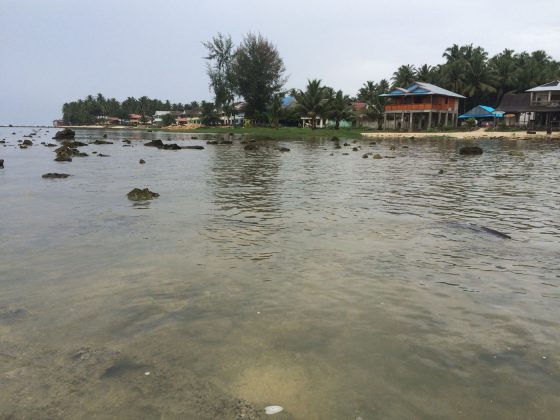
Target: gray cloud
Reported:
[(59, 50)]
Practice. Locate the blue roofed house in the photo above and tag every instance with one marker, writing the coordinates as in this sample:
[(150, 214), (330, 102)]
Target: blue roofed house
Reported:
[(482, 113), (421, 106)]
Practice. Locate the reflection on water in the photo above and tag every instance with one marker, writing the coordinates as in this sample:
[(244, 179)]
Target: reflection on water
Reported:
[(335, 286)]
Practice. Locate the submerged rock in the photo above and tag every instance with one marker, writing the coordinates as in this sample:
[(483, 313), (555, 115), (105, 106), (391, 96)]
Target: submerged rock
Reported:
[(377, 156), (65, 154), (516, 153), (212, 142), (102, 155), (251, 147), (283, 149), (102, 142), (191, 147), (2, 163), (141, 195), (226, 142), (142, 161), (53, 175), (470, 150), (27, 143), (64, 134)]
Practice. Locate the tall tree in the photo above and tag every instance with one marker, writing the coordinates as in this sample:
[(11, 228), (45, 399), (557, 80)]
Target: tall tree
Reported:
[(258, 71), (219, 69)]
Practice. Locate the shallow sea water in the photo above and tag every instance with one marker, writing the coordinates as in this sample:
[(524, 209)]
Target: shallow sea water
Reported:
[(335, 286)]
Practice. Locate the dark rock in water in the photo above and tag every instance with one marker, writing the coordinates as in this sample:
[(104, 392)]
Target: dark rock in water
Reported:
[(393, 147), (2, 163), (102, 142), (531, 132), (373, 143), (27, 143), (365, 156), (102, 155), (251, 147), (64, 134), (440, 172), (65, 154), (377, 156), (71, 143), (346, 144), (212, 142), (142, 161), (22, 147), (159, 144), (354, 149), (338, 146), (345, 154), (194, 137), (50, 145), (127, 141), (226, 142), (470, 150), (405, 147), (53, 175), (141, 195), (283, 149), (335, 139), (2, 141), (191, 147), (105, 135)]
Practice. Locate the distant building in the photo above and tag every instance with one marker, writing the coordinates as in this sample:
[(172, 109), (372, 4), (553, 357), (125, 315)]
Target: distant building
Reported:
[(134, 119), (58, 123), (538, 107), (158, 116), (421, 106)]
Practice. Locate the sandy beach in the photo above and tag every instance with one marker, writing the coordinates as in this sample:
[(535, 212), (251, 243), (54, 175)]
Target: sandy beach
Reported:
[(467, 135)]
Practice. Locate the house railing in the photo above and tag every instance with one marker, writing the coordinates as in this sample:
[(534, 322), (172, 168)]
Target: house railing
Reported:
[(417, 107)]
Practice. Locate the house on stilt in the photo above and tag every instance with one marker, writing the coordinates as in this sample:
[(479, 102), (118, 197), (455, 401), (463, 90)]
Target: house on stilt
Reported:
[(420, 107)]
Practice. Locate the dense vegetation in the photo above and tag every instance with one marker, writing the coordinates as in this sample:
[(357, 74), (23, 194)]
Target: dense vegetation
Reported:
[(254, 72), (470, 71), (87, 111)]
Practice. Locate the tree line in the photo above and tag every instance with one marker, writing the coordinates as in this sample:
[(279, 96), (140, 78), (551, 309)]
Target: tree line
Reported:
[(87, 111), (254, 72)]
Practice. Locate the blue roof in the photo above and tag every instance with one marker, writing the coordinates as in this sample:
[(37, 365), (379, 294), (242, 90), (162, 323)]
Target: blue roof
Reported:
[(422, 88), (482, 111), (287, 100)]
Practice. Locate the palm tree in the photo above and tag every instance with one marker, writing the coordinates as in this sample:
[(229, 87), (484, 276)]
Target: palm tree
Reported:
[(375, 104), (311, 102), (339, 108), (479, 77), (503, 66), (274, 110), (424, 73), (404, 76)]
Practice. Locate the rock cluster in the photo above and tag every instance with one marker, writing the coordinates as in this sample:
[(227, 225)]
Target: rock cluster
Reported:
[(470, 150)]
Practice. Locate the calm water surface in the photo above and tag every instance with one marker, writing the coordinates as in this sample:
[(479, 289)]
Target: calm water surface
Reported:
[(335, 286)]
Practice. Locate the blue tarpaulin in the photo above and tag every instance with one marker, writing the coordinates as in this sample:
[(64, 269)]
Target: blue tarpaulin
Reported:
[(482, 111)]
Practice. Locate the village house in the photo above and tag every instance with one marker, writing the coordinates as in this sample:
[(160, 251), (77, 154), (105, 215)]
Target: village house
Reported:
[(483, 114), (535, 108), (420, 107)]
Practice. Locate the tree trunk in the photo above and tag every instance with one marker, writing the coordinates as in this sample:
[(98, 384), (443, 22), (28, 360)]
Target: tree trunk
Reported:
[(336, 124)]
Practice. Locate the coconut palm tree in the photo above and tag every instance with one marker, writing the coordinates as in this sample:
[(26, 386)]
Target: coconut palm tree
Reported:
[(338, 108), (312, 101), (479, 76), (404, 76)]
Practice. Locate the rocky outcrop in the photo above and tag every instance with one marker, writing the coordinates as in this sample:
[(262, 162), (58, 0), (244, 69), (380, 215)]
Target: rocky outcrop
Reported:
[(142, 161), (65, 134), (54, 175), (283, 149), (1, 163), (65, 154), (138, 194), (27, 143), (470, 150), (192, 147), (160, 145), (102, 142)]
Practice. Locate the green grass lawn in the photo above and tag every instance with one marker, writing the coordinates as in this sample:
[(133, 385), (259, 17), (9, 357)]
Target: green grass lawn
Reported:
[(284, 132)]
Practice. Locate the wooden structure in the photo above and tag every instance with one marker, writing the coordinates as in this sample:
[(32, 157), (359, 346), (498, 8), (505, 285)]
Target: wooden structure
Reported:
[(420, 107)]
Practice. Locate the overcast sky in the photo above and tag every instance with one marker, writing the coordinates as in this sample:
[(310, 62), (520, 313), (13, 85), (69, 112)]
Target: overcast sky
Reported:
[(53, 51)]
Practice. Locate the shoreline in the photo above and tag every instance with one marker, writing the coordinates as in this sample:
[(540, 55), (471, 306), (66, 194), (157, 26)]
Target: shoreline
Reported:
[(479, 134)]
